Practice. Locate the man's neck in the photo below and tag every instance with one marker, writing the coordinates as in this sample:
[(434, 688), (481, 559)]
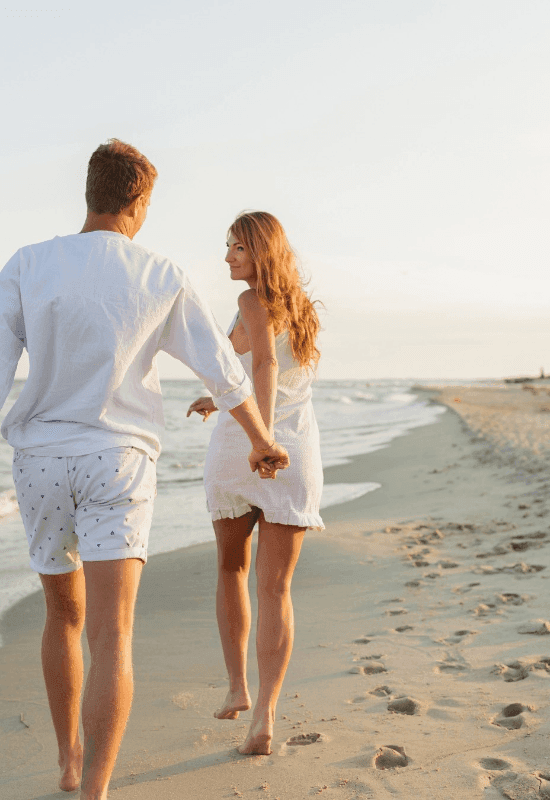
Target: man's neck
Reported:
[(117, 223)]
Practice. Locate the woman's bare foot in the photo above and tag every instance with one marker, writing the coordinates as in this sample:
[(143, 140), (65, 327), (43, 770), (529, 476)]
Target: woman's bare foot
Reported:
[(233, 703), (71, 771), (258, 741)]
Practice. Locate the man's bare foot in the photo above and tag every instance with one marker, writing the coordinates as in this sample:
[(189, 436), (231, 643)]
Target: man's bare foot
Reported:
[(233, 703), (258, 741), (94, 795), (71, 771)]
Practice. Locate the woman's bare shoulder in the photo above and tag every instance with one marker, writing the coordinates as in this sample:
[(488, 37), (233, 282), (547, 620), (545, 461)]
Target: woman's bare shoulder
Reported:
[(249, 304), (249, 298)]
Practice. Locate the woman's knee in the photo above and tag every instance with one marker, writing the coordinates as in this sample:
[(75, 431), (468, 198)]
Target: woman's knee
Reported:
[(274, 587), (234, 565)]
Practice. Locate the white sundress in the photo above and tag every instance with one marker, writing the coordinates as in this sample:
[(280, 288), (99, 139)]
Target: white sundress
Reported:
[(293, 498)]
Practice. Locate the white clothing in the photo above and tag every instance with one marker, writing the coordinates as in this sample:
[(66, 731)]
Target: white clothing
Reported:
[(96, 507), (93, 309), (294, 496)]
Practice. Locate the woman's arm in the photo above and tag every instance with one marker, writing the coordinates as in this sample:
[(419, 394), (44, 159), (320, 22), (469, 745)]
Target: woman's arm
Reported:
[(265, 369)]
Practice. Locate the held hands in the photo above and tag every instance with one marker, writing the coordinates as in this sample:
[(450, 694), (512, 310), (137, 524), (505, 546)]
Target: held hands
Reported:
[(268, 463), (265, 463), (203, 406)]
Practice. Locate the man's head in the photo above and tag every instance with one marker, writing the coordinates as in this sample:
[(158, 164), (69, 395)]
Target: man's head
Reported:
[(117, 175)]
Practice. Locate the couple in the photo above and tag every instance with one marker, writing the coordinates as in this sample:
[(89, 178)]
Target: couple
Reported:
[(93, 310)]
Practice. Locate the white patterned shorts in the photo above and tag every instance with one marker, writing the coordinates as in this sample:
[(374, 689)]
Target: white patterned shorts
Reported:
[(96, 507)]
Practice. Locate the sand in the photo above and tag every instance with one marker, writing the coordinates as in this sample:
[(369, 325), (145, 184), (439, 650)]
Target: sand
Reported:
[(421, 666)]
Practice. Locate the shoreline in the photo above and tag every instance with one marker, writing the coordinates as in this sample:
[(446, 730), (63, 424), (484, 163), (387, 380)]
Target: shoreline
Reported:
[(18, 581), (409, 611)]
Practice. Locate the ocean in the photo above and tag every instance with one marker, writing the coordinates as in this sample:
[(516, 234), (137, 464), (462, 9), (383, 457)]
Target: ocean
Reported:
[(354, 417)]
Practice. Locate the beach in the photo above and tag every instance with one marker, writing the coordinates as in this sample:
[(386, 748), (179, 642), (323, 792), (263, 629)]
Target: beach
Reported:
[(420, 666)]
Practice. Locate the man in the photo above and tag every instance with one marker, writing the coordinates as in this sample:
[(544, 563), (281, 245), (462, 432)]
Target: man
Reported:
[(93, 309)]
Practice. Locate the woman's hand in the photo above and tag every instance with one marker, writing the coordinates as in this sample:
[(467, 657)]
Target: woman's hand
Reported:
[(268, 463), (203, 406)]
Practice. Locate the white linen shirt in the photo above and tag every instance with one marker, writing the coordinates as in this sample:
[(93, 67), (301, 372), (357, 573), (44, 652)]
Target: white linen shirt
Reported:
[(93, 309)]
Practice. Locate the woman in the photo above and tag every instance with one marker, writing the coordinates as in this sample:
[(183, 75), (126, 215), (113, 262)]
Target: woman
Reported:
[(274, 335)]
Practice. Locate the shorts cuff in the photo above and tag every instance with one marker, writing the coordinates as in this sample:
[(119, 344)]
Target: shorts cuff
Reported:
[(63, 570), (116, 555)]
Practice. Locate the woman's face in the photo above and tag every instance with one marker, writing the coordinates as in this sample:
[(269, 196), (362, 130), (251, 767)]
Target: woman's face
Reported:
[(241, 265)]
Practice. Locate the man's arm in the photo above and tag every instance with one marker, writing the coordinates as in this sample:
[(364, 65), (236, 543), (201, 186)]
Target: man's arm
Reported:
[(193, 336), (12, 326)]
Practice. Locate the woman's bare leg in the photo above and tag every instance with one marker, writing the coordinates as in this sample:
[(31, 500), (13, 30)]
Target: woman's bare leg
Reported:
[(278, 551), (63, 669), (111, 591), (234, 540)]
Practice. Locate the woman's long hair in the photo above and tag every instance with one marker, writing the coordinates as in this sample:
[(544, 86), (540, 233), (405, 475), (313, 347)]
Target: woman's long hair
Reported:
[(279, 285)]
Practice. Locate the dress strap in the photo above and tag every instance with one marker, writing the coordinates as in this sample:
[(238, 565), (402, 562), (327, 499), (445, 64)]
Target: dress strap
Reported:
[(234, 323)]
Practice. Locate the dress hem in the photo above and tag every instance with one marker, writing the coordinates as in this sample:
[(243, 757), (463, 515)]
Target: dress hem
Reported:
[(279, 516)]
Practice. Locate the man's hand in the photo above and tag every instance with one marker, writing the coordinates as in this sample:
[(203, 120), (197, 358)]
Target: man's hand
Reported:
[(267, 463)]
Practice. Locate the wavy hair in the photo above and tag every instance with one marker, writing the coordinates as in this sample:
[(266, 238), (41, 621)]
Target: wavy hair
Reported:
[(280, 286)]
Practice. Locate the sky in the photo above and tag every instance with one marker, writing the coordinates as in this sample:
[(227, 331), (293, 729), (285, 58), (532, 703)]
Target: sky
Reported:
[(403, 144)]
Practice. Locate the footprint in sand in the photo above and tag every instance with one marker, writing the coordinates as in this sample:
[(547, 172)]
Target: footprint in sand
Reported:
[(431, 538), (414, 584), (498, 550), (522, 787), (452, 664), (404, 628), (464, 589), (520, 669), (523, 569), (395, 612), (528, 541), (511, 716), (404, 705), (502, 599), (512, 672), (372, 668), (538, 627), (519, 569), (390, 756), (381, 691), (544, 789), (492, 764), (304, 739), (458, 636), (484, 609), (509, 598), (518, 544), (361, 698), (362, 640)]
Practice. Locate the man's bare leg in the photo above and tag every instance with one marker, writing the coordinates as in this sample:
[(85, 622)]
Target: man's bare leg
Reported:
[(278, 551), (233, 537), (111, 591), (63, 669)]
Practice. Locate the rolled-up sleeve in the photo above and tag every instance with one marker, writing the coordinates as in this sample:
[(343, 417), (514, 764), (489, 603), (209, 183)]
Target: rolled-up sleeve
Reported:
[(12, 325), (193, 336)]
